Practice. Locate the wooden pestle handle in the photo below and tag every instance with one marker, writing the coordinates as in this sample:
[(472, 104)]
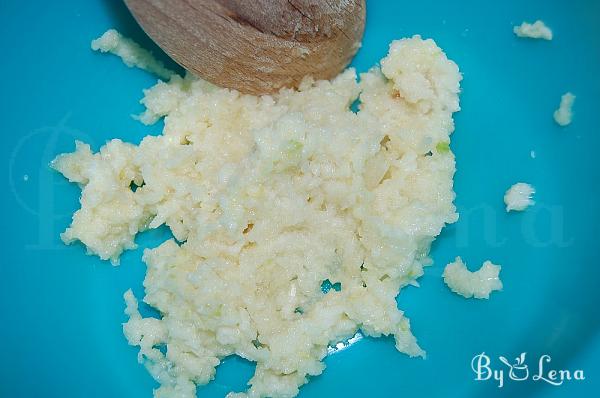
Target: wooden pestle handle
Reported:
[(255, 46)]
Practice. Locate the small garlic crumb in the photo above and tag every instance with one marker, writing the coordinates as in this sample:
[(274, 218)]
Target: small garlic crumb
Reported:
[(518, 197), (532, 154), (478, 284), (564, 114), (25, 178), (131, 53), (537, 30)]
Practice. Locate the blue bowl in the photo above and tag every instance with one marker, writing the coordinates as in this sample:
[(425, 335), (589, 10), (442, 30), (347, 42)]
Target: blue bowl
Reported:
[(62, 311)]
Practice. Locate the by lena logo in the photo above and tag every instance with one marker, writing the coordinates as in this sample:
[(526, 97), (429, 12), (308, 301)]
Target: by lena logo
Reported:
[(519, 370)]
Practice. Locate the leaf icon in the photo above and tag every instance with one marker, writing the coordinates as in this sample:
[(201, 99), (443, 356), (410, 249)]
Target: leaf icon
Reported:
[(521, 359), (504, 360)]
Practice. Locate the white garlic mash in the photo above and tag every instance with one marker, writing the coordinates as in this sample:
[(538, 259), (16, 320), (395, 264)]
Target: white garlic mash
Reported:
[(564, 114), (479, 284), (536, 30), (267, 198), (519, 197), (131, 53)]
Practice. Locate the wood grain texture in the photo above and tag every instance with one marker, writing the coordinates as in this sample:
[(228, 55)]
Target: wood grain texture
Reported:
[(255, 46)]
